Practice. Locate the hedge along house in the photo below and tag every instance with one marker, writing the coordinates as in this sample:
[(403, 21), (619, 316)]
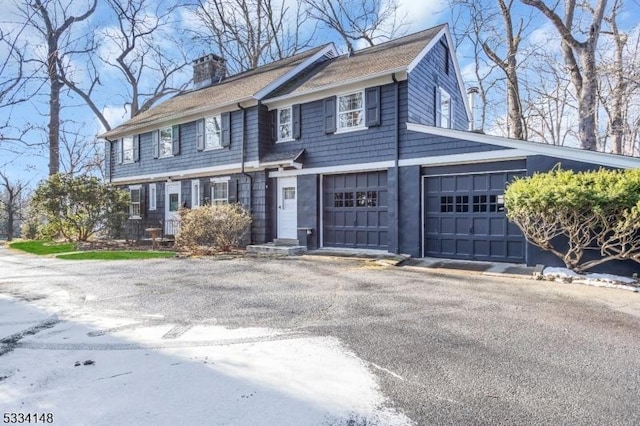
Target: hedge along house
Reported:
[(365, 150)]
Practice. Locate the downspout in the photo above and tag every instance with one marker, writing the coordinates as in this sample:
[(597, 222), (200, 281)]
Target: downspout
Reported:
[(396, 159), (244, 142)]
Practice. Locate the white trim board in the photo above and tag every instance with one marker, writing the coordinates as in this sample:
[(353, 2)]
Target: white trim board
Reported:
[(472, 157), (533, 148), (188, 174), (347, 168)]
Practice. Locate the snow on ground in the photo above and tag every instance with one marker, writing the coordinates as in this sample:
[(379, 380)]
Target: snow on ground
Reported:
[(167, 374), (593, 279)]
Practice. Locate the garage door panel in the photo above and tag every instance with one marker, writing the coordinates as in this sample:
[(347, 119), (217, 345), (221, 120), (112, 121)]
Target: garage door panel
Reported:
[(355, 210), (462, 225), (480, 226), (464, 217)]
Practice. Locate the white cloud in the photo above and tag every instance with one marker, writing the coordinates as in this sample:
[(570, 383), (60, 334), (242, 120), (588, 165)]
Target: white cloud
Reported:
[(115, 115), (423, 14)]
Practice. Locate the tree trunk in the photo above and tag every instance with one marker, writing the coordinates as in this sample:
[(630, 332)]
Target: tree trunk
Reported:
[(54, 105)]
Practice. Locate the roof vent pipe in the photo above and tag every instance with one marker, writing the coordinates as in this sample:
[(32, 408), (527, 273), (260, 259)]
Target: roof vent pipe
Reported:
[(472, 92)]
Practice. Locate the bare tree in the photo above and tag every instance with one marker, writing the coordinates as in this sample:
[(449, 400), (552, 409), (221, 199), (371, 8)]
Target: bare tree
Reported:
[(137, 48), (369, 21), (11, 202), (619, 88), (249, 33), (580, 58), (496, 38), (53, 21)]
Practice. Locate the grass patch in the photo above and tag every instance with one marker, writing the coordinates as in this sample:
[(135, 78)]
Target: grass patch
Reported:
[(42, 247), (116, 255)]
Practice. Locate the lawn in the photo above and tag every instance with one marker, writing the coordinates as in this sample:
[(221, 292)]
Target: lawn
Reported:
[(68, 251), (42, 247), (116, 255)]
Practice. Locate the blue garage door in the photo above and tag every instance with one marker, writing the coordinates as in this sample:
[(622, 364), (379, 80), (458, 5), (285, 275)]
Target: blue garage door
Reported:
[(464, 218), (354, 211)]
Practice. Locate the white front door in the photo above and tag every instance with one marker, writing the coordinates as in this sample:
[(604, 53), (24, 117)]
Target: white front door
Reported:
[(172, 203), (287, 208)]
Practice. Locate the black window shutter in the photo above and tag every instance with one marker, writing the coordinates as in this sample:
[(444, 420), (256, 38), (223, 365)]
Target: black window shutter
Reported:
[(274, 125), (297, 122), (330, 115), (176, 140), (233, 191), (372, 103), (437, 105), (143, 198), (200, 135), (206, 189), (225, 129), (155, 141), (136, 148)]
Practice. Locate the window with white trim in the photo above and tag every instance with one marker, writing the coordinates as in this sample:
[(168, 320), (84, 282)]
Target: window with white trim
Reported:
[(195, 193), (285, 124), (153, 196), (166, 142), (219, 192), (445, 109), (351, 111), (212, 132), (127, 149), (134, 203)]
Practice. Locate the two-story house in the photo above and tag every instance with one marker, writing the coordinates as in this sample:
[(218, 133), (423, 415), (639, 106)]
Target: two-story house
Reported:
[(364, 150)]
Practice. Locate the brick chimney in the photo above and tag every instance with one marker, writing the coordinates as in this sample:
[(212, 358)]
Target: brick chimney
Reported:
[(207, 70)]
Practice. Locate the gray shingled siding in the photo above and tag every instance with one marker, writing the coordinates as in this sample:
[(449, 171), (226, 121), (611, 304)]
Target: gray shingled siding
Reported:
[(415, 145), (361, 146), (308, 210), (424, 78), (190, 157)]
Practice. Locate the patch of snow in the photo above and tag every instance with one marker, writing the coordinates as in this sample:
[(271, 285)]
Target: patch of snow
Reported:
[(134, 374), (592, 279)]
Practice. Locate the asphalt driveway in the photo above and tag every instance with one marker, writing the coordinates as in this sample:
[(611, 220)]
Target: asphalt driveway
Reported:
[(446, 348)]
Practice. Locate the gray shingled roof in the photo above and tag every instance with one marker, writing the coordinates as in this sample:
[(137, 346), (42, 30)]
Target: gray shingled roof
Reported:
[(231, 91), (393, 55)]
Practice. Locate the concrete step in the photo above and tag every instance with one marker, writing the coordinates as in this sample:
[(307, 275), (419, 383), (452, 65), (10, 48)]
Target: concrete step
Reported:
[(286, 242), (271, 248)]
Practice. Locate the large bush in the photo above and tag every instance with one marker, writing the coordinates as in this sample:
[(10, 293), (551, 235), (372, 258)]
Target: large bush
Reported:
[(568, 213), (78, 207), (218, 227)]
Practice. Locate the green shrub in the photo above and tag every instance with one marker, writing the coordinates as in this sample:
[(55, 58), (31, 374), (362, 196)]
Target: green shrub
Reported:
[(567, 213), (218, 227), (78, 207)]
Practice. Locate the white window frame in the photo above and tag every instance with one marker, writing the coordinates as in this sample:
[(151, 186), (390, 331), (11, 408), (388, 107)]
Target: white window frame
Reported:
[(219, 181), (362, 125), (132, 203), (280, 124), (210, 137), (445, 118), (127, 149), (165, 148), (195, 193), (153, 196)]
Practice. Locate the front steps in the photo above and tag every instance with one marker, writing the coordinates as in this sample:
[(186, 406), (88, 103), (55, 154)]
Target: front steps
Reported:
[(280, 246)]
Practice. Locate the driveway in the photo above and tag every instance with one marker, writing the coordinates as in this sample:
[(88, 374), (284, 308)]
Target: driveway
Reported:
[(331, 341)]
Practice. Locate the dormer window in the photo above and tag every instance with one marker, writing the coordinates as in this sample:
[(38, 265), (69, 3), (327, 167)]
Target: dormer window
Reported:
[(212, 133), (166, 142), (285, 124), (351, 111)]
